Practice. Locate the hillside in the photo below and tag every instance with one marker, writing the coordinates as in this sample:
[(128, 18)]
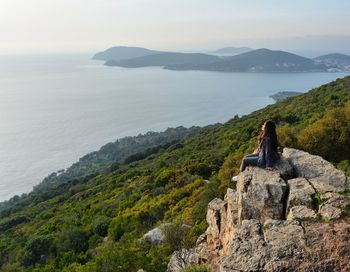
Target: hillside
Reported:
[(123, 52), (97, 223), (260, 60), (164, 59), (127, 149)]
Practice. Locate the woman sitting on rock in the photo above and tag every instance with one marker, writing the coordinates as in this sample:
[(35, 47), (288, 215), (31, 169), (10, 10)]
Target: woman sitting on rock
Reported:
[(266, 154)]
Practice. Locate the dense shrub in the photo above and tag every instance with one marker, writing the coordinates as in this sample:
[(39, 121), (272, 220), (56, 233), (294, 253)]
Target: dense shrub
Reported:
[(74, 239), (37, 250), (330, 136)]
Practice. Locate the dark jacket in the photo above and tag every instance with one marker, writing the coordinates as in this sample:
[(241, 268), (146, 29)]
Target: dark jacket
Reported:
[(267, 156)]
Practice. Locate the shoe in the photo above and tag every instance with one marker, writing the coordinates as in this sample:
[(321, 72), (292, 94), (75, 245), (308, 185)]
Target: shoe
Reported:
[(234, 178)]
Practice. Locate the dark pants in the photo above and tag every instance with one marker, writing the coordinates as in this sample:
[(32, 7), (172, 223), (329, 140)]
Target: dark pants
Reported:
[(251, 159)]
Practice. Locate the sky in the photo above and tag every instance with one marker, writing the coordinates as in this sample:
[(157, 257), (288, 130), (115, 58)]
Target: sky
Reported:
[(46, 26)]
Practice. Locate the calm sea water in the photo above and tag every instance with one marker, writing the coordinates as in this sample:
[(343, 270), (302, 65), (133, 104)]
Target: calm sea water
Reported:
[(54, 109)]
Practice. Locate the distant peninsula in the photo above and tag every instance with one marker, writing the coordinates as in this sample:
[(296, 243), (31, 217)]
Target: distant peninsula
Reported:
[(283, 95), (255, 61)]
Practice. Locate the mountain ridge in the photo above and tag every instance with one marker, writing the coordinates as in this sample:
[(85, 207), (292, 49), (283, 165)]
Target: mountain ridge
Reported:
[(261, 60)]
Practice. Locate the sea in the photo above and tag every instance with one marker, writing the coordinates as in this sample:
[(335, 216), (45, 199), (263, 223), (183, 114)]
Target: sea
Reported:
[(56, 108)]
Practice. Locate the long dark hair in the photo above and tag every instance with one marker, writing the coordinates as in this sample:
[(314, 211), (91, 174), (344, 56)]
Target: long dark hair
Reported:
[(269, 131)]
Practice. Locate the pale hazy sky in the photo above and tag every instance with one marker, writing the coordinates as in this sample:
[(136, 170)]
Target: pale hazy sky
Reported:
[(40, 26)]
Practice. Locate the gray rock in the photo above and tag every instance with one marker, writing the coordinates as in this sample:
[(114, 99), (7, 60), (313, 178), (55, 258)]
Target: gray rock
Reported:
[(229, 225), (301, 213), (182, 258), (248, 250), (215, 215), (155, 236), (320, 173), (285, 244), (277, 246), (333, 206), (300, 193), (260, 195)]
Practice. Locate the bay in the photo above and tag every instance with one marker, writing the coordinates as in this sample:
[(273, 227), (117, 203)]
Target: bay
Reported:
[(56, 108)]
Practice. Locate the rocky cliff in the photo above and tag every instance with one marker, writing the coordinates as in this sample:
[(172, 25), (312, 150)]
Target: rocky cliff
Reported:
[(295, 218)]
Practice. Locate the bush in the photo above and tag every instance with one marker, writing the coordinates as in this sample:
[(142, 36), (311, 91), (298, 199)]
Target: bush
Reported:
[(329, 137), (74, 239), (36, 249), (175, 236), (100, 226), (121, 225), (229, 169), (201, 169), (286, 136)]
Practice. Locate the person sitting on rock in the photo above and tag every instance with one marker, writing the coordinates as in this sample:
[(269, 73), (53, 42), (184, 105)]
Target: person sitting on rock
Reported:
[(266, 154)]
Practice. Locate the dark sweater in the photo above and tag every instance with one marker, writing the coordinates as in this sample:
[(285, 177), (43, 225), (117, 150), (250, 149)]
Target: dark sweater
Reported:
[(267, 156)]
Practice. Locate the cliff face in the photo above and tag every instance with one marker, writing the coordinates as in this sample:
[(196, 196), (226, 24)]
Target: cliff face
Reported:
[(292, 218)]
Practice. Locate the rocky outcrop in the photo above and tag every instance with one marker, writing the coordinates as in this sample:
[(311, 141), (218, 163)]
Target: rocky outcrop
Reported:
[(280, 220), (319, 172)]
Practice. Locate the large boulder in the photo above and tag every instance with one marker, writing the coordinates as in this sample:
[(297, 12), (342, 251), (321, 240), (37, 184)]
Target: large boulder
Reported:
[(155, 236), (323, 176), (260, 195)]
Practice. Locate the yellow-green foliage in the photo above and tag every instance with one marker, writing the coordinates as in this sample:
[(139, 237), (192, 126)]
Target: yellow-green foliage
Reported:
[(330, 136), (286, 136), (229, 169)]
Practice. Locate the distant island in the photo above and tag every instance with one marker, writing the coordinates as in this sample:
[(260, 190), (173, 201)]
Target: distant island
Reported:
[(283, 95), (258, 61)]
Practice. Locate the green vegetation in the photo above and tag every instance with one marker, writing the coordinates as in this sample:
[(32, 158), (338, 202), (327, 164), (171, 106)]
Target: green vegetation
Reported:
[(111, 155), (197, 268), (96, 223)]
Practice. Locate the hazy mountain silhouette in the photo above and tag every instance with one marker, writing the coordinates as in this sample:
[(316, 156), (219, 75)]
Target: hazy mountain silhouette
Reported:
[(164, 59), (123, 52), (232, 50), (260, 60)]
